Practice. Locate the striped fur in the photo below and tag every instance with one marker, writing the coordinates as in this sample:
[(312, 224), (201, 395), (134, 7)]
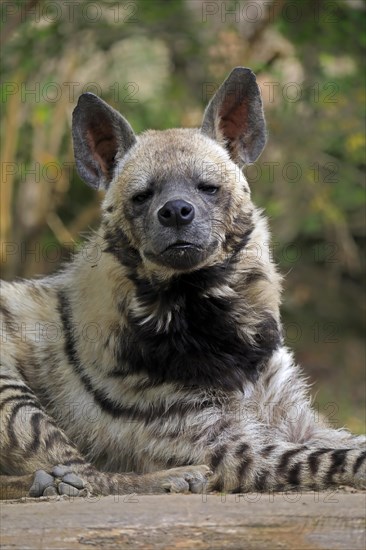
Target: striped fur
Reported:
[(129, 364)]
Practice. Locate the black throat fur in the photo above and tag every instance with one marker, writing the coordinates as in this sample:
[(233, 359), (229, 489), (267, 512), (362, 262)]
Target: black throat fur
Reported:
[(192, 337)]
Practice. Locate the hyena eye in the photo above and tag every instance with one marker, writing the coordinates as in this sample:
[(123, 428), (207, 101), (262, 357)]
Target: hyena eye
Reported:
[(207, 188), (142, 197)]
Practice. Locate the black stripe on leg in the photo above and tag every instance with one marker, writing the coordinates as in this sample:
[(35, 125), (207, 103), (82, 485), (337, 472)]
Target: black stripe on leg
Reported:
[(242, 449), (13, 441), (293, 477), (358, 462), (29, 398), (338, 458), (245, 460), (36, 432), (266, 451), (218, 456), (19, 387), (218, 485), (260, 483), (314, 460), (286, 457)]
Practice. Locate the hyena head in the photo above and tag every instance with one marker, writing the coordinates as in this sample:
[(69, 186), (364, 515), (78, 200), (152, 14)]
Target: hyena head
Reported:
[(176, 200)]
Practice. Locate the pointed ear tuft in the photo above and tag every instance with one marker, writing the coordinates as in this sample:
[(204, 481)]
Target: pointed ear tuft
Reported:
[(101, 136), (234, 117)]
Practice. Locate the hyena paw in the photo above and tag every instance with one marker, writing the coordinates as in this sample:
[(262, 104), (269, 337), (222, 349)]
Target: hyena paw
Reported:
[(183, 479), (61, 481)]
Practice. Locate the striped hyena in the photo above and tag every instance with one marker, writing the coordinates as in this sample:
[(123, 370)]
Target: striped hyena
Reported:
[(164, 356)]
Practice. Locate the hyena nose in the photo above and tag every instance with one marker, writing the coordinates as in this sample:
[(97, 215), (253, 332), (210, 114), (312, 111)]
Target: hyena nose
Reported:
[(176, 213)]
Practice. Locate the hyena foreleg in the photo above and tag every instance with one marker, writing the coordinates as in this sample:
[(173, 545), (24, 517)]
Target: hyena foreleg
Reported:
[(241, 467), (39, 459), (312, 466), (30, 440)]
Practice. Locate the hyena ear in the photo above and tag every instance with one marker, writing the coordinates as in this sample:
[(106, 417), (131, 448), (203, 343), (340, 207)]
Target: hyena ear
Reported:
[(234, 117), (101, 137)]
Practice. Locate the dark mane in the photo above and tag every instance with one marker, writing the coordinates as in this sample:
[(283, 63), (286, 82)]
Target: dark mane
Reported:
[(201, 345)]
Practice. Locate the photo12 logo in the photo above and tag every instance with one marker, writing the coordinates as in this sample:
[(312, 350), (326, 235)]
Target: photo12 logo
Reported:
[(70, 11), (253, 12)]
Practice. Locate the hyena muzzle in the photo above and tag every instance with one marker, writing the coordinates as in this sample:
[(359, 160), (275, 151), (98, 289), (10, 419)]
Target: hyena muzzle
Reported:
[(163, 355)]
